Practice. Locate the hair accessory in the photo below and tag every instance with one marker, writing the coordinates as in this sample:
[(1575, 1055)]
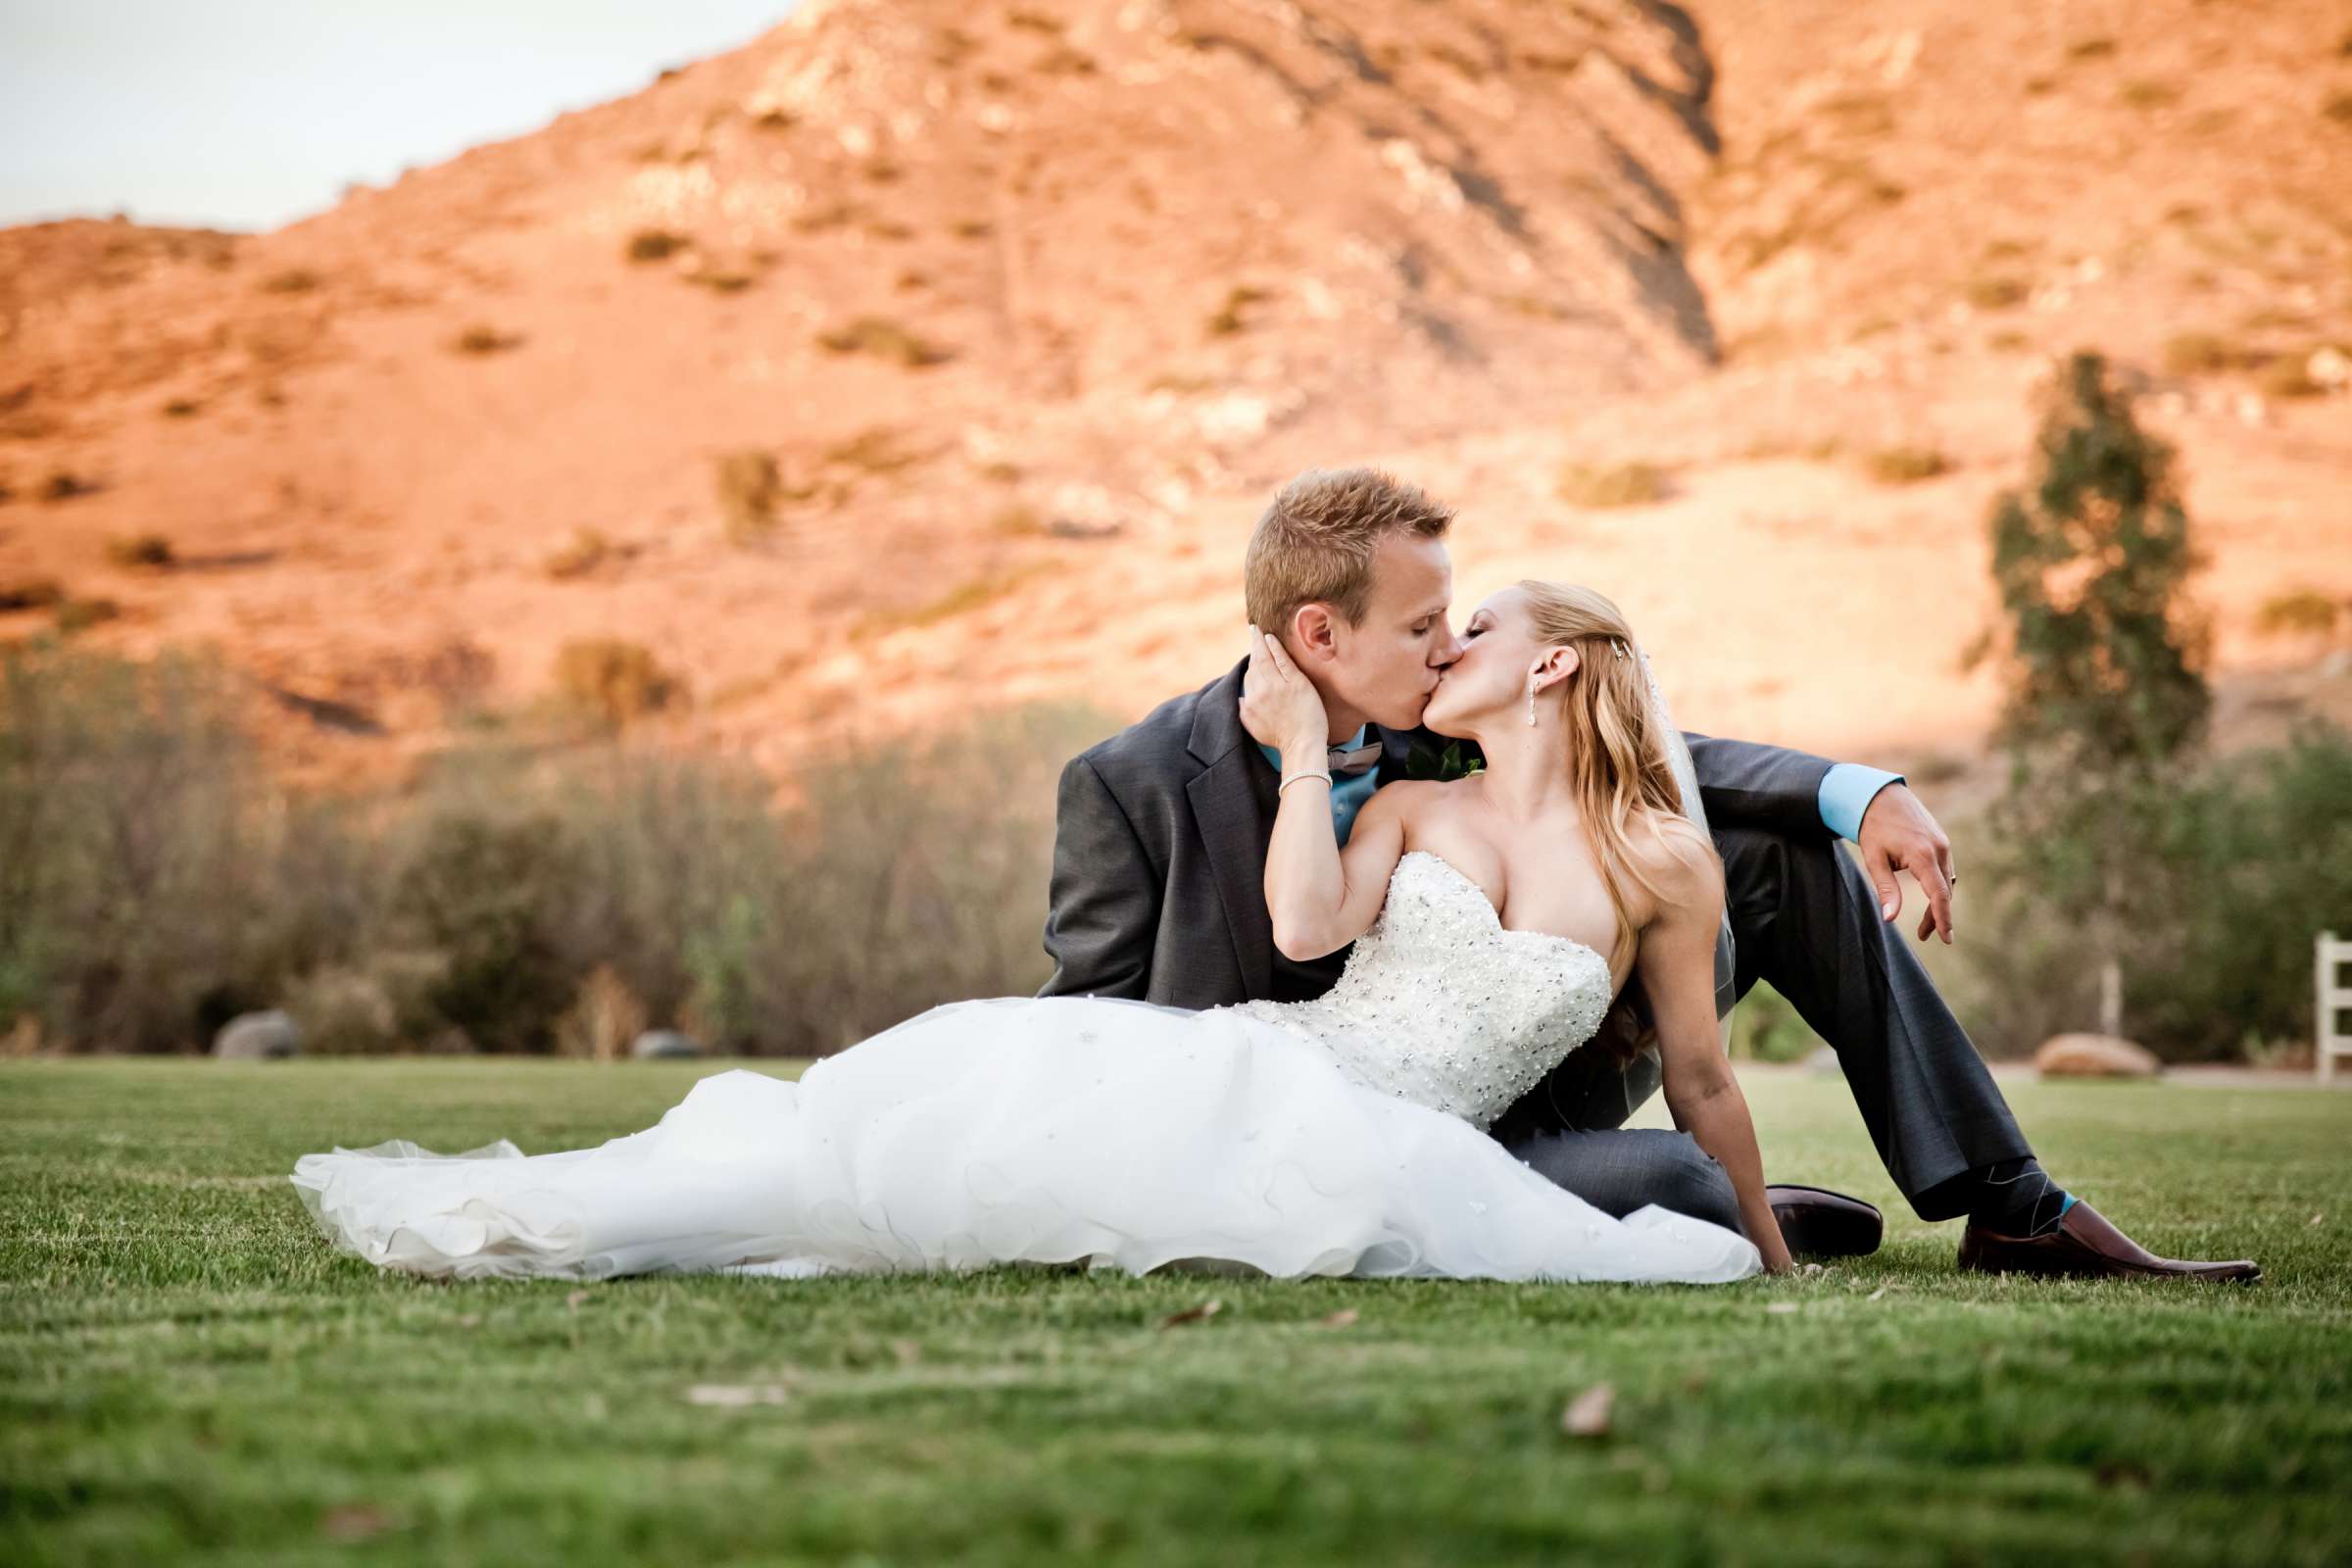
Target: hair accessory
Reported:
[(1620, 646)]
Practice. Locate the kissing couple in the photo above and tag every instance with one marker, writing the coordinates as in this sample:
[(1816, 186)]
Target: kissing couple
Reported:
[(1319, 1009)]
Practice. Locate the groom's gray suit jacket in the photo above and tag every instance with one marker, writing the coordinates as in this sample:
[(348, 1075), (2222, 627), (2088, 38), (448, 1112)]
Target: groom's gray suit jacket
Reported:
[(1159, 858)]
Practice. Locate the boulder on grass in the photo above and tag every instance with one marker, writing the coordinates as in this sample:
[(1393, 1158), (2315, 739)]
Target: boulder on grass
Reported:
[(258, 1036), (658, 1042), (2094, 1056)]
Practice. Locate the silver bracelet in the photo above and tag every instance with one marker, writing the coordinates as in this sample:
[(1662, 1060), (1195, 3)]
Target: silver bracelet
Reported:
[(1290, 779)]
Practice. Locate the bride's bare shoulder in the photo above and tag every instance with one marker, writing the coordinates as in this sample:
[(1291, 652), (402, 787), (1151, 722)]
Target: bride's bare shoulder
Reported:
[(1405, 804), (1675, 856), (1408, 796)]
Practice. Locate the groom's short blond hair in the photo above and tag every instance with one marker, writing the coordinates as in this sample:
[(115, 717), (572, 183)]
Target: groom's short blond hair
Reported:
[(1314, 542)]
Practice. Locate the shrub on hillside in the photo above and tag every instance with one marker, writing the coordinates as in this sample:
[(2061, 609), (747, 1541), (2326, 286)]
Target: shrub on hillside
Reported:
[(150, 552), (1231, 318), (2288, 376), (80, 614), (31, 593), (586, 551), (750, 489), (2202, 354), (484, 339), (614, 680), (2147, 94), (1616, 484), (1906, 465), (654, 244), (1995, 292), (1018, 520), (884, 339), (2299, 612), (877, 449)]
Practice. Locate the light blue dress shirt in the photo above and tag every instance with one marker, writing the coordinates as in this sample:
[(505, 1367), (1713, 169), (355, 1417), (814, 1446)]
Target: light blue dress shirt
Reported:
[(1349, 791), (1846, 791)]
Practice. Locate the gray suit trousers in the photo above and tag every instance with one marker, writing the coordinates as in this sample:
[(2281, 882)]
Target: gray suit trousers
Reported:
[(1806, 918)]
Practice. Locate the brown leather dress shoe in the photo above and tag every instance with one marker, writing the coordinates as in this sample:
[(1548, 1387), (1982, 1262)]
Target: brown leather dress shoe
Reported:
[(1820, 1223), (2084, 1243)]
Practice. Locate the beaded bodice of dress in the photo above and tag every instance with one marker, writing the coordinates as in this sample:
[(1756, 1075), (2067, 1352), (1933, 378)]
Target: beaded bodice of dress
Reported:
[(1440, 1004)]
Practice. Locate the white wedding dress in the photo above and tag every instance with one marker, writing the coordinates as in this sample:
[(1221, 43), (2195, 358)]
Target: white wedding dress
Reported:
[(1338, 1135)]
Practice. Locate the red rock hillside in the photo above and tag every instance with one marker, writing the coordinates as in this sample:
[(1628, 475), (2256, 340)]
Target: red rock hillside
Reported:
[(921, 358)]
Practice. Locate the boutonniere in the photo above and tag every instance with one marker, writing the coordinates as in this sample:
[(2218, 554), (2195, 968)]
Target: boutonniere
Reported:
[(1459, 759)]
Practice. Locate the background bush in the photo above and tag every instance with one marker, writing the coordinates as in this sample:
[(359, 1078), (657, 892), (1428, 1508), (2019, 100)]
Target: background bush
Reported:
[(522, 895), (137, 841), (530, 897), (2248, 860)]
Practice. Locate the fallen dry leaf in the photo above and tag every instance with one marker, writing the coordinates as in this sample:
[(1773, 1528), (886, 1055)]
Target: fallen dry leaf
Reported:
[(737, 1396), (1341, 1319), (1875, 1295), (1780, 1306), (574, 1300), (353, 1521), (1193, 1314), (1588, 1414)]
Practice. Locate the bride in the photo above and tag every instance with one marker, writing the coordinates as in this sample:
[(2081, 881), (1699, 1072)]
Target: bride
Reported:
[(1495, 918)]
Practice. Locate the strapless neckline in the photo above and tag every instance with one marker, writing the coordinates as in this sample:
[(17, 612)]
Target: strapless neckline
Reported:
[(1495, 915), (1443, 1004)]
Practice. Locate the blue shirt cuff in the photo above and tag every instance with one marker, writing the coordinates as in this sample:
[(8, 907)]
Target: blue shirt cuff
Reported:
[(1846, 791)]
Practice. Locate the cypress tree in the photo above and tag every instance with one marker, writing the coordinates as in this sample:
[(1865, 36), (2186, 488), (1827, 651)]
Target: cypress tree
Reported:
[(2105, 702)]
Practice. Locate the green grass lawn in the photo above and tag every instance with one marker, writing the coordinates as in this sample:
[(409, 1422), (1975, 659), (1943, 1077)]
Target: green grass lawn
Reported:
[(186, 1371)]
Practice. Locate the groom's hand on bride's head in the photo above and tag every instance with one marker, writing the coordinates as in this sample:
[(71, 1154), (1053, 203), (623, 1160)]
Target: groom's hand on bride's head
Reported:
[(1898, 835)]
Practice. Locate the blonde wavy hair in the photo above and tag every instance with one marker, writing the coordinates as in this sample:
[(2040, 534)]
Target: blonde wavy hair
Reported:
[(1624, 784)]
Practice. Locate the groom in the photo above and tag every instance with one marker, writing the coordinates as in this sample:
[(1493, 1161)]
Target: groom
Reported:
[(1159, 893)]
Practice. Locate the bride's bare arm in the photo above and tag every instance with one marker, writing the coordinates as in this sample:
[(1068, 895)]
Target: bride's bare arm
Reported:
[(1318, 899), (1677, 966), (1321, 897)]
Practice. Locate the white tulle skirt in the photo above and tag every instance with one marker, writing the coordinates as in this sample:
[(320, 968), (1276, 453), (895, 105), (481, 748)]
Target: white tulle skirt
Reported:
[(1110, 1133)]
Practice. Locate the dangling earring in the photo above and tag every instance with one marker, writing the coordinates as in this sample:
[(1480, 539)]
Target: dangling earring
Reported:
[(1530, 699)]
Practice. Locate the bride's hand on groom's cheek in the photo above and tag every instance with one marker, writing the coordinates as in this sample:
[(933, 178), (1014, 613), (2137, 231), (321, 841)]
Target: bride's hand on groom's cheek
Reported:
[(1280, 705)]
